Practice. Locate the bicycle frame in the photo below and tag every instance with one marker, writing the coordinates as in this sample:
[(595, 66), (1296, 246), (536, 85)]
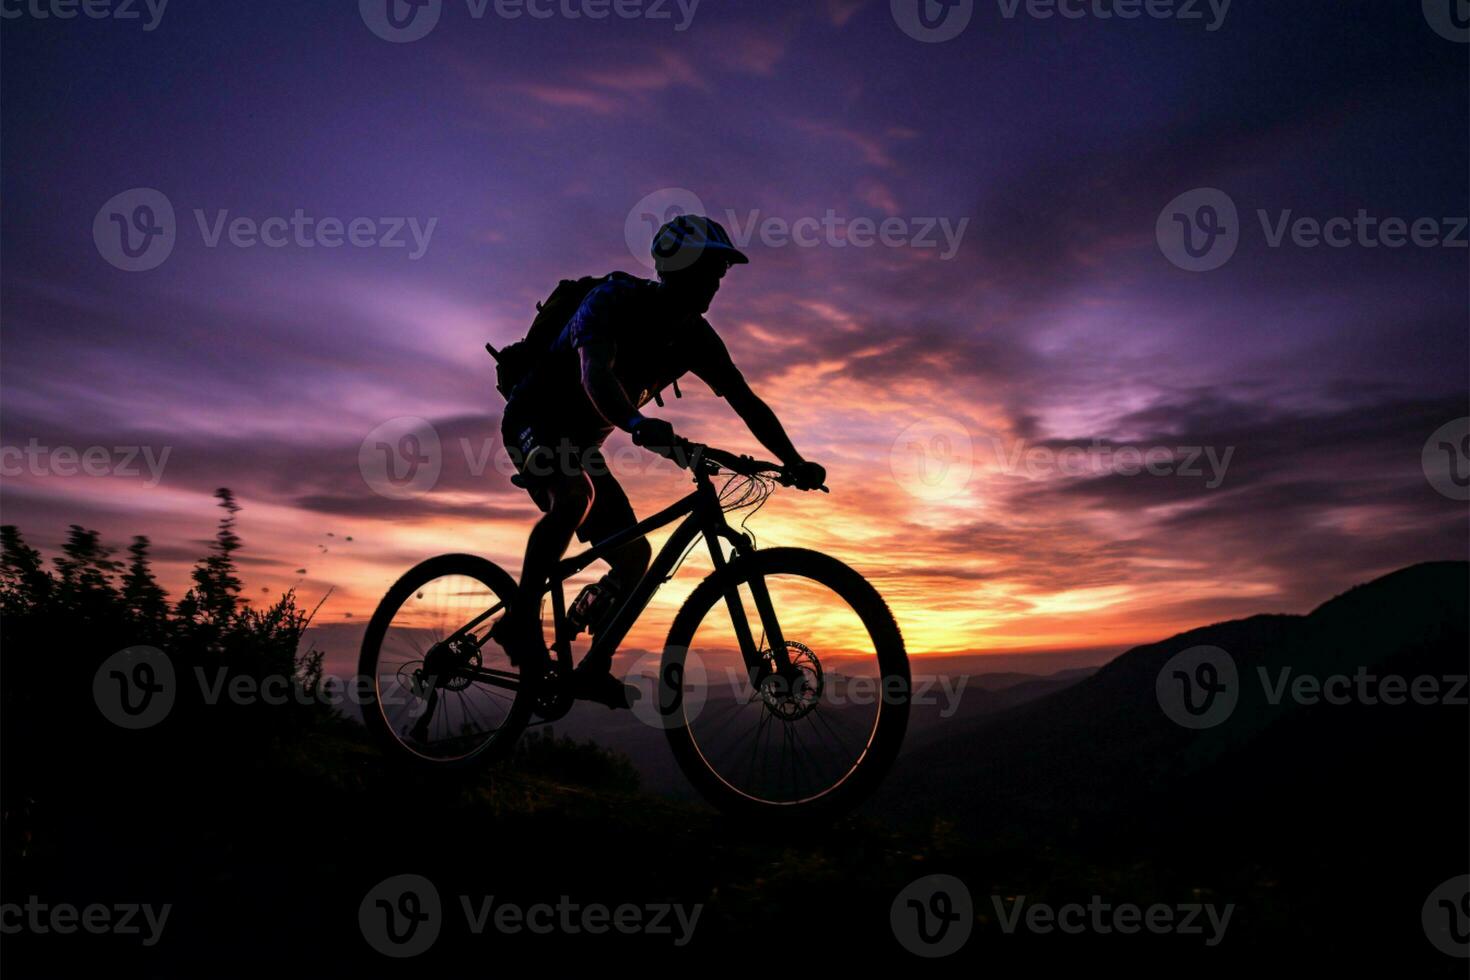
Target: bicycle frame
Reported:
[(702, 517)]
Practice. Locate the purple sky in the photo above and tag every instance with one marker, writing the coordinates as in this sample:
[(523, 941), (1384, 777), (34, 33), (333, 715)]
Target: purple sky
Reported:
[(1057, 322)]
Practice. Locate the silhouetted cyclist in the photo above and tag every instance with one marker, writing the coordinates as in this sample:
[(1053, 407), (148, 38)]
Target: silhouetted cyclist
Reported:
[(629, 339)]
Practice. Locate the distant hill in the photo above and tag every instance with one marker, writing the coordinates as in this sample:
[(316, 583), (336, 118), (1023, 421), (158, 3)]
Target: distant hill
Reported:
[(1354, 810), (1104, 744), (980, 695)]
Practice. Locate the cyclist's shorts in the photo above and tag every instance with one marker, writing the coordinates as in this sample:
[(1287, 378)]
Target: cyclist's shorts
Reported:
[(543, 453)]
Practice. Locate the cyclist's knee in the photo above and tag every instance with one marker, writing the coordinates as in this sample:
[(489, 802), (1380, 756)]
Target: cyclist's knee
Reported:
[(570, 501)]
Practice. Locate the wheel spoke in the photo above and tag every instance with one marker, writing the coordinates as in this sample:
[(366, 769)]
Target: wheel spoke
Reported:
[(811, 731), (455, 715)]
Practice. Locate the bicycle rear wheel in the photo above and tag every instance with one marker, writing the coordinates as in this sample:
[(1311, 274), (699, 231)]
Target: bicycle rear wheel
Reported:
[(812, 739), (436, 693)]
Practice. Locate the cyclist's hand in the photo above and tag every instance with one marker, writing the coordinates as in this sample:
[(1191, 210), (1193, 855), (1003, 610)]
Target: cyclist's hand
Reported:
[(807, 475), (655, 435)]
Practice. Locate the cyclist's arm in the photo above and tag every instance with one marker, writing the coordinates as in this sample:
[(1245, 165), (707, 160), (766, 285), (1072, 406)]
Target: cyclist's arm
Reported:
[(714, 366), (590, 334), (759, 418), (603, 387)]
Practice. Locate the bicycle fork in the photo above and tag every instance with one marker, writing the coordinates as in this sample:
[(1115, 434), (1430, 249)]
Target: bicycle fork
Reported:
[(750, 648)]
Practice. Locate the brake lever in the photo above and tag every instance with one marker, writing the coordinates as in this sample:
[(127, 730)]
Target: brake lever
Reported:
[(786, 481)]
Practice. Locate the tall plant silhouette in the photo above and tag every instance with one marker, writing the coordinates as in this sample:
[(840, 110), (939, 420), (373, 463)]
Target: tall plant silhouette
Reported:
[(58, 625), (215, 598)]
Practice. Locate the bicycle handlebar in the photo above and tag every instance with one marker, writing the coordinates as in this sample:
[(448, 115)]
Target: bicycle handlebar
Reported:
[(691, 454)]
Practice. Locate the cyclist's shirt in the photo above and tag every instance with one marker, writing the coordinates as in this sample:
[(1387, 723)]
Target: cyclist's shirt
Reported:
[(650, 353)]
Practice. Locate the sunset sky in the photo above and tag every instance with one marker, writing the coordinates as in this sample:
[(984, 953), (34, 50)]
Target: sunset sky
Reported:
[(923, 380)]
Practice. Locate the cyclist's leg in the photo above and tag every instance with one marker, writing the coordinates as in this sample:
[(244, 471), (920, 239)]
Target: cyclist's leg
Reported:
[(611, 512), (568, 498), (564, 494)]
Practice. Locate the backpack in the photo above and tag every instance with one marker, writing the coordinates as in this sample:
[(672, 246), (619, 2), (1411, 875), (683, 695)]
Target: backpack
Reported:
[(516, 361)]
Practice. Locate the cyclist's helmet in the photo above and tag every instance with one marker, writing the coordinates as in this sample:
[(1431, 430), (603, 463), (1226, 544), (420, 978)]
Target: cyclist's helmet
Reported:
[(681, 242)]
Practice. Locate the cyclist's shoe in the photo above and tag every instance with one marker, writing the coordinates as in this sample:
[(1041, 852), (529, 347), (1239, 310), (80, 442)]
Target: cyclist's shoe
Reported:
[(595, 682)]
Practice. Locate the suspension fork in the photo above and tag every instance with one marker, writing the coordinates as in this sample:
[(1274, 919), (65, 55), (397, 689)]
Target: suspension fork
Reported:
[(749, 648)]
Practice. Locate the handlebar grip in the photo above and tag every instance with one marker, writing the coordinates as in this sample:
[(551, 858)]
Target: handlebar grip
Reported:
[(688, 454), (682, 453), (785, 480)]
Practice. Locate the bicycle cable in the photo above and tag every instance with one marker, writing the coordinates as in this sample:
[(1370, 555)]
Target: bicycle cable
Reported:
[(750, 492), (766, 487)]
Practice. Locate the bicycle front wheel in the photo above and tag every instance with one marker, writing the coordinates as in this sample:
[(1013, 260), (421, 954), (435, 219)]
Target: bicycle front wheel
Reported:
[(810, 733)]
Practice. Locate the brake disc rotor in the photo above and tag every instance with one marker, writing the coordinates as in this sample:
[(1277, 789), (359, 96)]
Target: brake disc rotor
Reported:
[(442, 666), (795, 693)]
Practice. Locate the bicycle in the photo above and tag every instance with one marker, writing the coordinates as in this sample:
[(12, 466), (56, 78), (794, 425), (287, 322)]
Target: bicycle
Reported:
[(797, 732)]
